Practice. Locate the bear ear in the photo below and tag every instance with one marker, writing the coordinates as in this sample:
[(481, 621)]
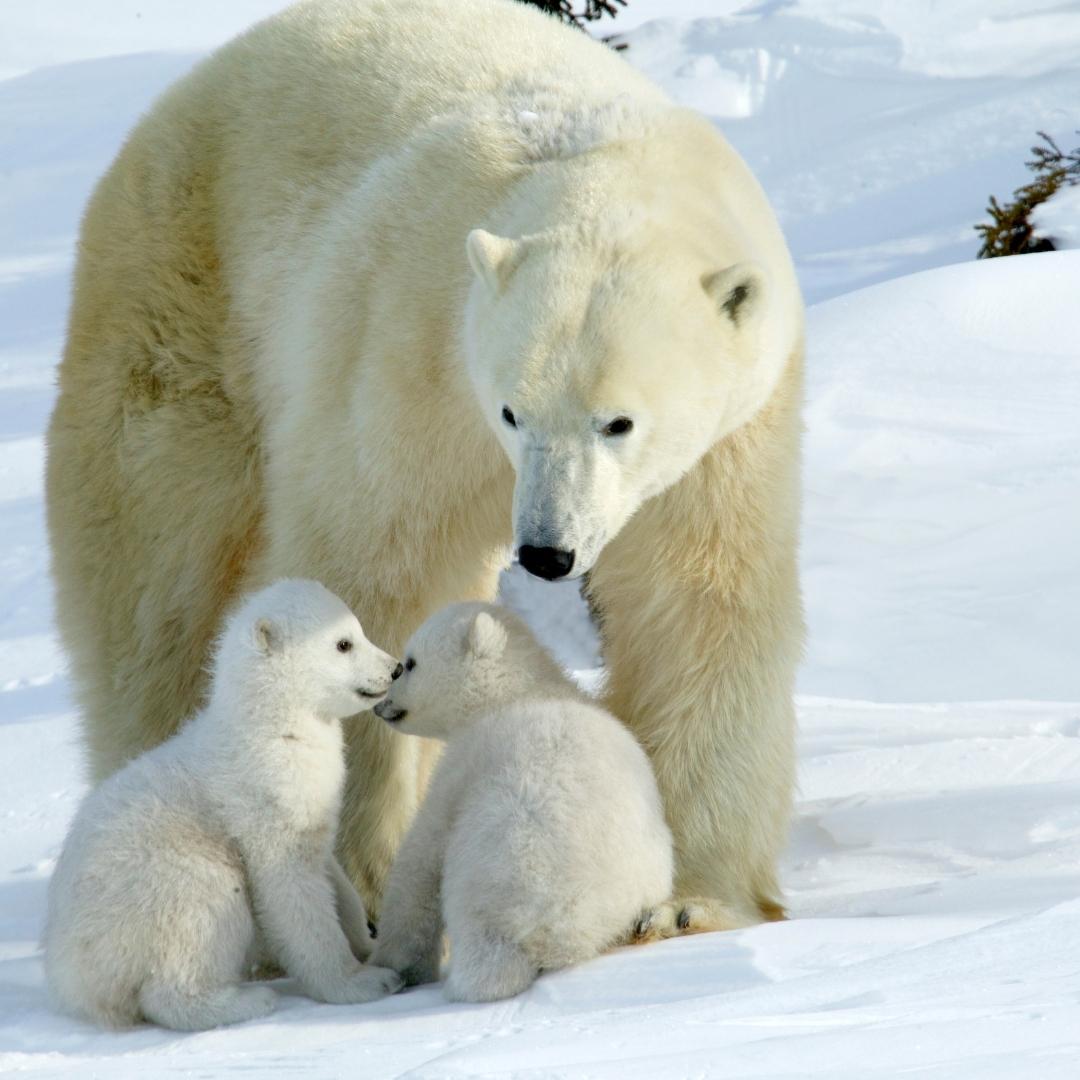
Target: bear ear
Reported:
[(268, 636), (493, 258), (487, 637), (738, 292)]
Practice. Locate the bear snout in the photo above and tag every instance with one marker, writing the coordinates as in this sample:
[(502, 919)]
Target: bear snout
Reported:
[(388, 711), (546, 562), (367, 693)]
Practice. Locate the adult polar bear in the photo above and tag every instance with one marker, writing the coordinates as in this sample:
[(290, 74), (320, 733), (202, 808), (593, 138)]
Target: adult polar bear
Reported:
[(280, 363)]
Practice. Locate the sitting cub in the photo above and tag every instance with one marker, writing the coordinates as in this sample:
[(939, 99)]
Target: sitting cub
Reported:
[(542, 838), (176, 863)]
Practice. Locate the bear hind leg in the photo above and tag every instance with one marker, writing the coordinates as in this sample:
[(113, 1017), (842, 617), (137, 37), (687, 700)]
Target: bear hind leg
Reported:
[(486, 967), (193, 1010), (196, 983), (201, 952)]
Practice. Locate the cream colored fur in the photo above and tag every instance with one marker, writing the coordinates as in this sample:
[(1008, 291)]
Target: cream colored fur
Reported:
[(215, 848), (542, 839), (286, 357)]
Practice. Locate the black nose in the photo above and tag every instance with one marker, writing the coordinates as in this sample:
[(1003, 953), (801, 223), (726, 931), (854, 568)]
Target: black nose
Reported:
[(544, 562), (397, 671)]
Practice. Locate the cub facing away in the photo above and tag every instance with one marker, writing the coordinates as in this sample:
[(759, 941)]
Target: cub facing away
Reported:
[(542, 838), (214, 850)]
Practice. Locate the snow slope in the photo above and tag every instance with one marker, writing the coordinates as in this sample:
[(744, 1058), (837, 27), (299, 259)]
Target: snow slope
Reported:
[(942, 484), (934, 864), (1059, 217)]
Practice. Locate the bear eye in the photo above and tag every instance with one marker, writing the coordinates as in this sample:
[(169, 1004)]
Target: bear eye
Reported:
[(344, 645), (508, 416), (410, 663), (619, 426)]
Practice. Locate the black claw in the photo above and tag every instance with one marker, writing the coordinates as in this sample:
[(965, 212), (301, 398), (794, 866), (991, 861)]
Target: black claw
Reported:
[(683, 921), (372, 930), (643, 924)]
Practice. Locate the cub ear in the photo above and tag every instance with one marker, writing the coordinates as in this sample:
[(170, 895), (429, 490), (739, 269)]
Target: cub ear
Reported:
[(268, 636), (493, 258), (738, 292), (487, 637)]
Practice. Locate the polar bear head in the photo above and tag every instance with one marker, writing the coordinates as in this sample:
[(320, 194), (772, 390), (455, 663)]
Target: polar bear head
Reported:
[(608, 362), (295, 646), (468, 659)]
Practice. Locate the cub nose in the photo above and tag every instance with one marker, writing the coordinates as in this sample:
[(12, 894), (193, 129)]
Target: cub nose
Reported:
[(396, 672), (545, 562)]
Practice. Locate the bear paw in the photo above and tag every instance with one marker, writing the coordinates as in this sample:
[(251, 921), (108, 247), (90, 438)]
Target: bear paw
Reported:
[(414, 968), (367, 984), (674, 918)]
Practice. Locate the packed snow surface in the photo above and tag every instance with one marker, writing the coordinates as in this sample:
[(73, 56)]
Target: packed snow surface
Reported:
[(934, 870)]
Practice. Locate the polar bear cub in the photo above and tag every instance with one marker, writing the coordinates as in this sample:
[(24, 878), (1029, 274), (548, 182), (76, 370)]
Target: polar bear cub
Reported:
[(542, 838), (214, 848)]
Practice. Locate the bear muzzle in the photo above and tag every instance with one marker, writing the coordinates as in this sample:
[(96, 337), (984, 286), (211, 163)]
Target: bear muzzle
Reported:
[(370, 695), (388, 711), (546, 562)]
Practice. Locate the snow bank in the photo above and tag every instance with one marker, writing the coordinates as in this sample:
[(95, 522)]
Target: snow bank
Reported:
[(63, 31), (942, 480), (1058, 218)]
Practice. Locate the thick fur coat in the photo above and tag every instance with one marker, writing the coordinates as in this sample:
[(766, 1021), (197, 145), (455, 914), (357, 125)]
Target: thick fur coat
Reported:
[(542, 840), (213, 851), (384, 291)]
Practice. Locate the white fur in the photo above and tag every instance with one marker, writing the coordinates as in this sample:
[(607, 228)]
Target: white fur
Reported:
[(278, 316), (184, 866), (717, 322), (542, 839)]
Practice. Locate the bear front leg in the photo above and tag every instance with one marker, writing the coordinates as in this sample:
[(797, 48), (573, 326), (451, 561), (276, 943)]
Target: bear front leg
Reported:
[(351, 911), (701, 622), (411, 927), (295, 905), (382, 793)]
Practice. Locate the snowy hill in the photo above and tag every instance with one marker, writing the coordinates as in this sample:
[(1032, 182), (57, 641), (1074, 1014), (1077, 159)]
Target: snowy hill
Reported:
[(934, 870), (942, 484)]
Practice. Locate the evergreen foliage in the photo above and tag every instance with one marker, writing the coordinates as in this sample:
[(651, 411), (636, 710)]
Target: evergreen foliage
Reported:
[(565, 10), (1009, 231)]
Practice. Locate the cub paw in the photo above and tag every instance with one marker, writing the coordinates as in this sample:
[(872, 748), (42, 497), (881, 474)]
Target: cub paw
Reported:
[(414, 970), (367, 984), (257, 1001), (418, 974)]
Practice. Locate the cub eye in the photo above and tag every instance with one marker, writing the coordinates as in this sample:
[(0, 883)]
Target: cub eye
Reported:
[(508, 416), (410, 663), (344, 645), (619, 426)]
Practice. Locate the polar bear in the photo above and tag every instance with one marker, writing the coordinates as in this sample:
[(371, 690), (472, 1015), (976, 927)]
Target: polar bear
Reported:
[(542, 839), (383, 293), (177, 863)]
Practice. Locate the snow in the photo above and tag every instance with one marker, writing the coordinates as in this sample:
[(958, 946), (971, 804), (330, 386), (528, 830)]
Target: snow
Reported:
[(942, 473), (933, 874), (1059, 217), (934, 867)]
